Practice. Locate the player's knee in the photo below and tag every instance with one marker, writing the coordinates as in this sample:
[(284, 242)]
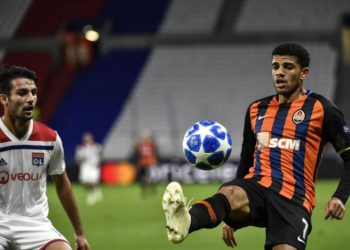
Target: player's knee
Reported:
[(236, 196)]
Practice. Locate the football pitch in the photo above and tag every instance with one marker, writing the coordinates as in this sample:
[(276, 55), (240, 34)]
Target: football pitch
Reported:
[(125, 220)]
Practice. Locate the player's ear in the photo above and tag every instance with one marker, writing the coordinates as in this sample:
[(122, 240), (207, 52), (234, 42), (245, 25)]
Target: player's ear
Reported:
[(3, 99), (304, 73)]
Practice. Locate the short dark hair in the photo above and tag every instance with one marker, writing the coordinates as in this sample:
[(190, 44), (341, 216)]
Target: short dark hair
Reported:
[(10, 72), (293, 49)]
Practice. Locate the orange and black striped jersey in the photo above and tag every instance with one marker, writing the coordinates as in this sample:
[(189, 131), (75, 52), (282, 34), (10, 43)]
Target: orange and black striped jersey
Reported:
[(283, 144)]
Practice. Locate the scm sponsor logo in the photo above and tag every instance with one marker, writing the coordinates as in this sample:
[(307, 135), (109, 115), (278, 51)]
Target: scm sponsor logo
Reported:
[(284, 143), (264, 141)]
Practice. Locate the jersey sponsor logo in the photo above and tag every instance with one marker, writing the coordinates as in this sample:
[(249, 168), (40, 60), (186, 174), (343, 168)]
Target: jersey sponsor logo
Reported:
[(5, 177), (3, 162), (264, 140), (38, 159), (298, 116)]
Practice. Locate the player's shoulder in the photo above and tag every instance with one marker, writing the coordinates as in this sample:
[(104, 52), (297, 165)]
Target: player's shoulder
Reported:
[(262, 101), (331, 111), (327, 105), (42, 132), (3, 137), (323, 100)]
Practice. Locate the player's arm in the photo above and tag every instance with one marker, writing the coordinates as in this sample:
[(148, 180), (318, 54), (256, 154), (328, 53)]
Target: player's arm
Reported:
[(335, 208), (65, 195), (77, 155), (56, 169), (337, 132), (248, 146)]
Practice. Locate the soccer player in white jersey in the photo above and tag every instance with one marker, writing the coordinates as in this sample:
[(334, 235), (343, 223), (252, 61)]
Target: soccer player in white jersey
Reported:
[(29, 151), (88, 157)]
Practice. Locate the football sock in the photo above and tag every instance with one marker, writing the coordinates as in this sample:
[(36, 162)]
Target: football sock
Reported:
[(209, 213)]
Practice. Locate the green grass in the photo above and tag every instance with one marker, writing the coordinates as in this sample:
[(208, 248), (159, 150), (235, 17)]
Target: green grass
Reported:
[(124, 220)]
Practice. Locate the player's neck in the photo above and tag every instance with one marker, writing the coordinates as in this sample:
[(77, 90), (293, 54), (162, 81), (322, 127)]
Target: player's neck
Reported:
[(16, 127), (282, 99)]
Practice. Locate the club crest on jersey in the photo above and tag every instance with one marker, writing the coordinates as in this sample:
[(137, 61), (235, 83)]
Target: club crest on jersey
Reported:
[(346, 129), (38, 159), (298, 116)]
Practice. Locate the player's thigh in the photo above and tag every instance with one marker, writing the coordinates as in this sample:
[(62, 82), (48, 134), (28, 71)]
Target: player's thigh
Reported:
[(35, 233), (283, 247), (237, 197), (288, 223), (58, 245), (248, 202)]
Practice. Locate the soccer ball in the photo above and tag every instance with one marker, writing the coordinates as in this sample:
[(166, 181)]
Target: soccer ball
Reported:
[(207, 145)]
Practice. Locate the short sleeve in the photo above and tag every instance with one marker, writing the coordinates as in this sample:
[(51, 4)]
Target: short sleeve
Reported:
[(57, 164)]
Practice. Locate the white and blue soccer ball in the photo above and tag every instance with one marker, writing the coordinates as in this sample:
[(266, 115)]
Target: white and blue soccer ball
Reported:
[(207, 145)]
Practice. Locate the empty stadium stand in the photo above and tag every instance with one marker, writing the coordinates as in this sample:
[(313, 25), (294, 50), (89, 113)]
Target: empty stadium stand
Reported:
[(294, 16), (133, 16), (181, 85), (191, 17), (96, 97), (192, 60)]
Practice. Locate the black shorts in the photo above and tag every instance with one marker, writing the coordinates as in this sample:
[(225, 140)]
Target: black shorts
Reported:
[(285, 221)]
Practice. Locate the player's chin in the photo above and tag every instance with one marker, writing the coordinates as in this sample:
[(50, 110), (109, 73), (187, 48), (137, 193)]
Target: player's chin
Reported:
[(26, 118), (282, 91), (27, 115)]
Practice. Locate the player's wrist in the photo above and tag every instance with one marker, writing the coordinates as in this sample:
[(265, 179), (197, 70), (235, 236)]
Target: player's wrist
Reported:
[(340, 198), (79, 236)]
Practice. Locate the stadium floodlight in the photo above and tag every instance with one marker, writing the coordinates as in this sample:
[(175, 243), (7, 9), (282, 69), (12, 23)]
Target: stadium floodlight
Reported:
[(90, 33)]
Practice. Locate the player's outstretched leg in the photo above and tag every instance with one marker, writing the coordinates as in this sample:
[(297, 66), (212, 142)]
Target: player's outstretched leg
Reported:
[(178, 219)]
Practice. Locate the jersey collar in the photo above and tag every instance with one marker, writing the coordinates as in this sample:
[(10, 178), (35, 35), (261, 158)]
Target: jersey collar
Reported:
[(11, 136)]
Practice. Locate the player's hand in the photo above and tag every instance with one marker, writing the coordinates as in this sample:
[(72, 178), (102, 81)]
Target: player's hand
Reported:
[(81, 243), (227, 236), (334, 209)]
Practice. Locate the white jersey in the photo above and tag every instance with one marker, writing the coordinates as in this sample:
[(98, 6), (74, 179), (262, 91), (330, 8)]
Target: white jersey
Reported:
[(24, 165), (89, 157), (89, 154)]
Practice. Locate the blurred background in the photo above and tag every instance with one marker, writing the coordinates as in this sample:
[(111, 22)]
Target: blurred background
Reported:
[(115, 68), (118, 68)]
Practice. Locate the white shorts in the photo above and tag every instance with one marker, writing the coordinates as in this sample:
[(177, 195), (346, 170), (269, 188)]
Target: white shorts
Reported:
[(25, 233), (89, 174)]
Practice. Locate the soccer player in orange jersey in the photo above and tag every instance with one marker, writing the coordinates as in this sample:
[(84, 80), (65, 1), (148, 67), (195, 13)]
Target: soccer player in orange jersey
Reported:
[(146, 154), (284, 137)]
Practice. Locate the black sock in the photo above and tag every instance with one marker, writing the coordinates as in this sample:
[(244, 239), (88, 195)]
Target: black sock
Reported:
[(209, 213)]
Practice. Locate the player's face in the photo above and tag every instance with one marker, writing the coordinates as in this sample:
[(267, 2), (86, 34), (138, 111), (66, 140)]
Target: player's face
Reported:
[(22, 99), (287, 75)]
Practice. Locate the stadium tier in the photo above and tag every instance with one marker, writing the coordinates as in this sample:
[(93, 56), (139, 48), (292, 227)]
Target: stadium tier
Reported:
[(191, 17), (171, 78), (296, 16), (182, 85)]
